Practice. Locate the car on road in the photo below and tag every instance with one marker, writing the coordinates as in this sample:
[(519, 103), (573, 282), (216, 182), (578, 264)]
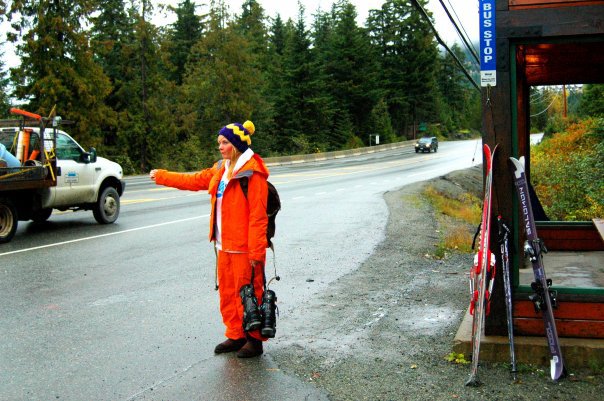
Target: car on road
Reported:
[(427, 144)]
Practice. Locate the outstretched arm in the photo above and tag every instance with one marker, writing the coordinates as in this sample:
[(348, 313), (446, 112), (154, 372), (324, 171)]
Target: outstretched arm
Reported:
[(189, 181)]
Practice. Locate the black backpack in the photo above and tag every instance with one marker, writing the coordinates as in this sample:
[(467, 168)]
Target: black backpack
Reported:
[(273, 205)]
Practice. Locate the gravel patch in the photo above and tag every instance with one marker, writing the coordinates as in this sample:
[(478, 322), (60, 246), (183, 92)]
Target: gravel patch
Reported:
[(383, 331)]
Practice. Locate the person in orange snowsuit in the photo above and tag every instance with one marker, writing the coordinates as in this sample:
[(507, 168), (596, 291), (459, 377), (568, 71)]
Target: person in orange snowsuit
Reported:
[(237, 226)]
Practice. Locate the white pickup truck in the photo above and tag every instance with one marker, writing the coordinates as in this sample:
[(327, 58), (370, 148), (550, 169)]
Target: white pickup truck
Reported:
[(50, 170)]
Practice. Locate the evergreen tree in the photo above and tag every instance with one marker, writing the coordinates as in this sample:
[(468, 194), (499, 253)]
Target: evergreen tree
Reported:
[(385, 26), (111, 33), (332, 125), (407, 52), (457, 103), (183, 34), (351, 67), (145, 125), (252, 26), (293, 107), (111, 28), (57, 67), (381, 122), (592, 101), (275, 86), (277, 37), (538, 109), (221, 85)]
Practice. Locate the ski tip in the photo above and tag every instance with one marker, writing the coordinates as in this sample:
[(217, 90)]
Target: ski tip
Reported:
[(489, 150), (518, 162), (493, 149), (473, 381), (518, 166)]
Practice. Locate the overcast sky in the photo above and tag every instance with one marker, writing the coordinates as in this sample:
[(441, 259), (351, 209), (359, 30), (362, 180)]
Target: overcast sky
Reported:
[(465, 10)]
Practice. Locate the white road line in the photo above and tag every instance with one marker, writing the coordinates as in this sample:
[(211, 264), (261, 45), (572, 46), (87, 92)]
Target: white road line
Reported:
[(103, 235)]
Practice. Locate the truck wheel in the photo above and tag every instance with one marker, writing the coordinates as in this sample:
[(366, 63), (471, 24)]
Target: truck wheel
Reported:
[(107, 207), (8, 220), (40, 216)]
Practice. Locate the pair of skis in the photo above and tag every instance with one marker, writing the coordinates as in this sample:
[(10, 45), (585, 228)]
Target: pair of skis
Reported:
[(483, 270), (544, 299), (483, 273)]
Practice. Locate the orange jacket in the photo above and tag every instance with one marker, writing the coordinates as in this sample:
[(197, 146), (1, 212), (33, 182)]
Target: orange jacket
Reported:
[(244, 221)]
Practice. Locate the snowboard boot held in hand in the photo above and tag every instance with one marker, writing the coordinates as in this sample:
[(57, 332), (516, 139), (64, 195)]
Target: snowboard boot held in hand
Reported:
[(269, 314), (251, 314)]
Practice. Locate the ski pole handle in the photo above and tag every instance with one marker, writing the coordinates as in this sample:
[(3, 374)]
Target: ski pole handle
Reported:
[(503, 228), (35, 116)]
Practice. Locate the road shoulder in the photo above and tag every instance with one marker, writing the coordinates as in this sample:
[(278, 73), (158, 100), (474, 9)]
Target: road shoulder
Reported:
[(383, 331)]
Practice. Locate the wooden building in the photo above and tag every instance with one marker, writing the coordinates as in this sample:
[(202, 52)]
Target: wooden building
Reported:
[(541, 42)]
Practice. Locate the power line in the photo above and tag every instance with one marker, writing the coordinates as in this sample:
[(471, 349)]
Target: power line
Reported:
[(544, 110), (460, 23), (463, 38), (443, 44)]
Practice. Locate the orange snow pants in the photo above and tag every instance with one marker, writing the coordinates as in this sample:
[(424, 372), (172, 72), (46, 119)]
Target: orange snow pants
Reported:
[(234, 271)]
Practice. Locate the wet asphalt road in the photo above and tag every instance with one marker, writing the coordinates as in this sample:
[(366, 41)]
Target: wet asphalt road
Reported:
[(128, 311)]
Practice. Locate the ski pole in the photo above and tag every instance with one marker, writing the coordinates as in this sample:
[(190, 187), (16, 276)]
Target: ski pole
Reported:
[(504, 232)]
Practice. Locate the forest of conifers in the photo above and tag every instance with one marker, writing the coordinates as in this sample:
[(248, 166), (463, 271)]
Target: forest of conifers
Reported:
[(156, 96)]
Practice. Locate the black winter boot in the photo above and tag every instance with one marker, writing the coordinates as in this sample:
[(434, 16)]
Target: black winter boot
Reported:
[(229, 346)]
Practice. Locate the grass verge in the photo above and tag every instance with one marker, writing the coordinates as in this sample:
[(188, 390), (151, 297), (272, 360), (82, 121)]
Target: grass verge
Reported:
[(457, 216)]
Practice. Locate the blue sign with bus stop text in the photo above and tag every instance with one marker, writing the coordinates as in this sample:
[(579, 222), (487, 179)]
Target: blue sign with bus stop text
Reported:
[(488, 59)]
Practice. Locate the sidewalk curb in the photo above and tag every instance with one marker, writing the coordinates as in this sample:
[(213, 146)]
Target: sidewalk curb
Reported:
[(577, 352)]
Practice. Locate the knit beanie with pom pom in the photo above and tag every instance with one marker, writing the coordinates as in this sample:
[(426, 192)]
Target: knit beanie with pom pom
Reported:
[(239, 134)]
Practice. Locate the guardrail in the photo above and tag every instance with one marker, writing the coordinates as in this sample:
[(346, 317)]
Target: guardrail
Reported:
[(294, 159)]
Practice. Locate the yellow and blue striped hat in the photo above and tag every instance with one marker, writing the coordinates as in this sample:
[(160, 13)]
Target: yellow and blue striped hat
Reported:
[(239, 134)]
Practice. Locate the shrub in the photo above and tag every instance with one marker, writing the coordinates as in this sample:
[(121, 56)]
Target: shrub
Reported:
[(567, 170)]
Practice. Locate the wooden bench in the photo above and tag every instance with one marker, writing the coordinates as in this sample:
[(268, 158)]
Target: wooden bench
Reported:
[(571, 237), (573, 319), (577, 315)]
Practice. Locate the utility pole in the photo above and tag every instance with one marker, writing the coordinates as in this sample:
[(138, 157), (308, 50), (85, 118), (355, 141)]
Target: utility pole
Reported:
[(564, 94)]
